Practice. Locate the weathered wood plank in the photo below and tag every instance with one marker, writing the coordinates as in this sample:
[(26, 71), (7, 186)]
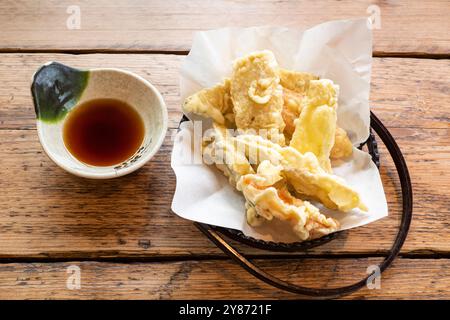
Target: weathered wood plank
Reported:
[(407, 27), (46, 212), (16, 107), (410, 93), (220, 279)]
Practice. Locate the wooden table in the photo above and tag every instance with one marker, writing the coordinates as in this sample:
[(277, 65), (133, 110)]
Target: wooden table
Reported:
[(122, 233)]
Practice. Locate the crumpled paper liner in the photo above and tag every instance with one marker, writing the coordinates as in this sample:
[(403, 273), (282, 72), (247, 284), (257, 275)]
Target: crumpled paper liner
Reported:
[(337, 50)]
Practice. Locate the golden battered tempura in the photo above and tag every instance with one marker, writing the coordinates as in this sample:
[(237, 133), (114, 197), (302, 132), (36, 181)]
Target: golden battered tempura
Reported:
[(270, 107), (257, 95), (315, 128), (214, 103)]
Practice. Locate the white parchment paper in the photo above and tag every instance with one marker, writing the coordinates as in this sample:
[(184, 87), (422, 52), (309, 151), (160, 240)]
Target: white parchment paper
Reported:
[(336, 50)]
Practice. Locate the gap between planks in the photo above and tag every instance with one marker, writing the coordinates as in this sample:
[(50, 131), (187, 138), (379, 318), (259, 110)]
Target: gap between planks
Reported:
[(174, 128), (184, 258), (376, 54)]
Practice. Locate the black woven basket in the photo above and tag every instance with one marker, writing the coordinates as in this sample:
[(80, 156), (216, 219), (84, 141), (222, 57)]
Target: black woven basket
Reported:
[(215, 234)]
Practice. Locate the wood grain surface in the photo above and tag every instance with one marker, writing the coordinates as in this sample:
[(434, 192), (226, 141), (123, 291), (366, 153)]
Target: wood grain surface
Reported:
[(122, 232), (406, 93), (407, 27), (221, 279), (47, 212)]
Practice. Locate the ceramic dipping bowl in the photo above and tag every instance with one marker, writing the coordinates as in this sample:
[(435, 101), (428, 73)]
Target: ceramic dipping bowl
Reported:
[(57, 89)]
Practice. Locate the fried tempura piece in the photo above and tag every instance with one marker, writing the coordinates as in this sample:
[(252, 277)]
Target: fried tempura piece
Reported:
[(304, 173), (316, 126), (267, 196), (292, 106), (329, 189), (295, 86), (257, 95), (212, 103), (296, 81), (342, 145), (223, 152)]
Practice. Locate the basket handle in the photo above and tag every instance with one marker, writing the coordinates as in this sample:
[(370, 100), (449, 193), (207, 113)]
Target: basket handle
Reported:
[(407, 201)]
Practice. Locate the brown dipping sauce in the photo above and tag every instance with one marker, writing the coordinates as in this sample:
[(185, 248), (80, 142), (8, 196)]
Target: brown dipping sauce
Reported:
[(103, 132)]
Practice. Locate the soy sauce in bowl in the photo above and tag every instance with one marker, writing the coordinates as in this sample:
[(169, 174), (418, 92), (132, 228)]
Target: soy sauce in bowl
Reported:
[(103, 132)]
